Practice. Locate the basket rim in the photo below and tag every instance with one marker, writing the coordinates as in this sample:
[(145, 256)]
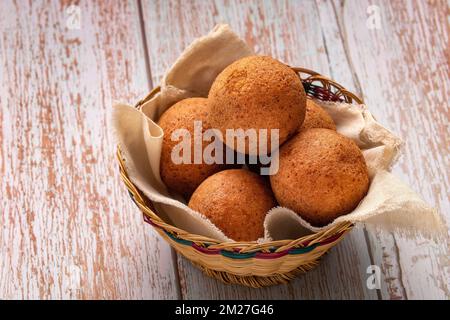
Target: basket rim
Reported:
[(316, 86)]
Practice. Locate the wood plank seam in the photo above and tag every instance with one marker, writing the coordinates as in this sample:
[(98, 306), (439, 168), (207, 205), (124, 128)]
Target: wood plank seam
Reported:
[(356, 82), (375, 54), (145, 45), (400, 271), (343, 36), (359, 92), (173, 254), (372, 260)]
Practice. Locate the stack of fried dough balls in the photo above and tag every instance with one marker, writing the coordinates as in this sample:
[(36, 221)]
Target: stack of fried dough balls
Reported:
[(321, 174)]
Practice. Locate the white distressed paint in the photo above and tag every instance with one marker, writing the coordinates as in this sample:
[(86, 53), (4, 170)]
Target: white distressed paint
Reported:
[(403, 71), (69, 229)]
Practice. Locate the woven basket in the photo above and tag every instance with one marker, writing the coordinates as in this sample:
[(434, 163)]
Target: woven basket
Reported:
[(249, 263)]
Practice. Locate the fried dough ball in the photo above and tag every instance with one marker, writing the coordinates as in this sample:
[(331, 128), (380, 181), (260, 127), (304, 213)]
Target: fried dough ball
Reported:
[(236, 201), (322, 175), (257, 92), (316, 117), (184, 178)]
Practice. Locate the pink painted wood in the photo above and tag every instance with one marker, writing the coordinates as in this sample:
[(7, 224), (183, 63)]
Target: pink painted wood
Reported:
[(401, 65), (69, 229)]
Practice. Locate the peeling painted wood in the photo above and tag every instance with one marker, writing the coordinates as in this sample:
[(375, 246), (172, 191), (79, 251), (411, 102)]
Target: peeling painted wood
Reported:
[(402, 65), (68, 228)]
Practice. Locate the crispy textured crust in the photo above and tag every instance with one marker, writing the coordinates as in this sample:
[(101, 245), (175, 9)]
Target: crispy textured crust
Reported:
[(316, 117), (257, 92), (184, 178), (236, 201), (322, 175)]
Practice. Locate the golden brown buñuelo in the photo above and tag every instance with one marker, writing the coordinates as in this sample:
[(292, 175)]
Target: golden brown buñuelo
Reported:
[(316, 117), (184, 178), (322, 175), (236, 201), (257, 92)]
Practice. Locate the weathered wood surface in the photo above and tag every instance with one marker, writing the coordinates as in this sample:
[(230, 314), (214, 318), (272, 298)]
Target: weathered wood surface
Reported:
[(403, 71), (69, 230)]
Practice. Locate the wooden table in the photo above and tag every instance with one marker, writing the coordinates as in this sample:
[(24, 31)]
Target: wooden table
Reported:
[(67, 226)]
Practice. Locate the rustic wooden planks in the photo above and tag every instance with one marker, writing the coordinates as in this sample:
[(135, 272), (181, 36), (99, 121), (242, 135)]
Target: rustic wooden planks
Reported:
[(403, 71), (289, 30), (68, 228)]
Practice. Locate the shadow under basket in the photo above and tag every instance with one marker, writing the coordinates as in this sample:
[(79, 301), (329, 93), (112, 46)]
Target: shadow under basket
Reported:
[(249, 263)]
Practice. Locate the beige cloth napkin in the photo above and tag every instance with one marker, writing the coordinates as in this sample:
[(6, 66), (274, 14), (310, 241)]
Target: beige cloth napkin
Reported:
[(389, 202)]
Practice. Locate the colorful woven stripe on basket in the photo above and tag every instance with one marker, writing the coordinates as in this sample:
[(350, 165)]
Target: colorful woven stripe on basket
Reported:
[(238, 255)]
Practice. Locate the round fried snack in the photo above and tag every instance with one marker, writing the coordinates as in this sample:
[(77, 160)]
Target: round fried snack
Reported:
[(322, 175), (316, 117), (257, 92), (236, 201), (184, 178)]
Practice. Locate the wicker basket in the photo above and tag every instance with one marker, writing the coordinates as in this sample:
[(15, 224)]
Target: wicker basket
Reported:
[(249, 263)]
